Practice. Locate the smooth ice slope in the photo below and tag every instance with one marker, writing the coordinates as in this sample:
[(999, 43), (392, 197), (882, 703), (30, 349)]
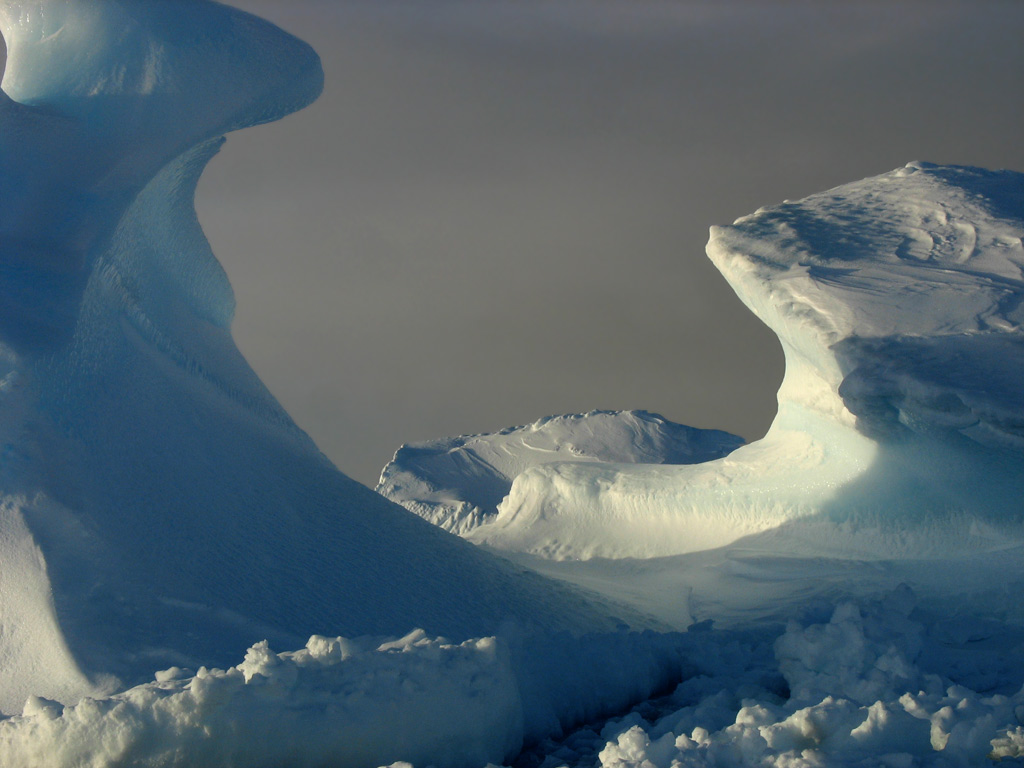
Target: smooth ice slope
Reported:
[(157, 507), (899, 302), (457, 483)]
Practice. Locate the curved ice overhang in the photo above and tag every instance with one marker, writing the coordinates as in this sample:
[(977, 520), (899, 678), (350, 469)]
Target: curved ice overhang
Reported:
[(903, 294), (157, 506), (101, 96), (899, 303)]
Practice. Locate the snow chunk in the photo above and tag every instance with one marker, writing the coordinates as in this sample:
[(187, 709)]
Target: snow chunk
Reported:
[(849, 704), (338, 701), (457, 483)]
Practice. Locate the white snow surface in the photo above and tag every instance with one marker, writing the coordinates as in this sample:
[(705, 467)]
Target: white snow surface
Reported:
[(457, 483), (865, 683), (899, 302)]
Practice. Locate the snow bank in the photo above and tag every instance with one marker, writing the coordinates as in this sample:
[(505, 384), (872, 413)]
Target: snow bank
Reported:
[(359, 702), (336, 702), (899, 302), (457, 483)]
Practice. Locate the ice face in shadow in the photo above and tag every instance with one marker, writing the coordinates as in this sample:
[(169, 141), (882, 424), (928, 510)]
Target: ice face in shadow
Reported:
[(898, 302), (457, 483), (157, 506)]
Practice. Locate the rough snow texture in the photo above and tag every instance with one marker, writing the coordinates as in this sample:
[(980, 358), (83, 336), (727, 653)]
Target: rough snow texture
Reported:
[(348, 703), (879, 681), (336, 702), (457, 483), (876, 683), (157, 506), (899, 302)]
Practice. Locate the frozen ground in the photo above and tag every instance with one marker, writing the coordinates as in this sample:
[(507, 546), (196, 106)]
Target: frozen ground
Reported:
[(186, 580)]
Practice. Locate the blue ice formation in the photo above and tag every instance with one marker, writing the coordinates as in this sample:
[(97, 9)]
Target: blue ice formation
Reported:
[(158, 508), (899, 303)]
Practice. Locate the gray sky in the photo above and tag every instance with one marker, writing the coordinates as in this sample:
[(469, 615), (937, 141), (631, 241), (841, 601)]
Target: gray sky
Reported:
[(497, 211)]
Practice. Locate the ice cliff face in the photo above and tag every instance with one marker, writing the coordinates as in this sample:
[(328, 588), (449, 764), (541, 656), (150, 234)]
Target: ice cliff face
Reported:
[(157, 506), (898, 301), (457, 483)]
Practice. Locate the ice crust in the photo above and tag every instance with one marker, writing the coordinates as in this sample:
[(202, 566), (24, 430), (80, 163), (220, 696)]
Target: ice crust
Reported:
[(457, 483), (158, 508), (899, 302)]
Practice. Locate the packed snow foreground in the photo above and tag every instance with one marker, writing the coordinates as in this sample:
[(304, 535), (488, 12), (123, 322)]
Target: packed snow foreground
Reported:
[(186, 580)]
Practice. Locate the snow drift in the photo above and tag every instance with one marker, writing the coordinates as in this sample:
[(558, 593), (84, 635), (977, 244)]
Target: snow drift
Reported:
[(158, 509), (457, 483), (899, 302)]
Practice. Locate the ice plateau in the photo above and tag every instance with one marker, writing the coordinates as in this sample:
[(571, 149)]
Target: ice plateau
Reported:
[(158, 509)]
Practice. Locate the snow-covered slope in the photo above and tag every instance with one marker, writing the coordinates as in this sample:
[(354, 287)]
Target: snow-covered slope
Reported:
[(457, 483), (899, 301), (157, 507)]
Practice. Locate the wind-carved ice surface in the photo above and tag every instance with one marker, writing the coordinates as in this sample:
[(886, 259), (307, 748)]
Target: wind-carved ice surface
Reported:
[(186, 580), (158, 508), (457, 483), (899, 302)]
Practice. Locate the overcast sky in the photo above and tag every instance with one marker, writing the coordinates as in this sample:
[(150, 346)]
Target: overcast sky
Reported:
[(497, 211)]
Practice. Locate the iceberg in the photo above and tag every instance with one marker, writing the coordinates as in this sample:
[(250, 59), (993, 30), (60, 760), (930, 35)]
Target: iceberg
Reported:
[(457, 483), (899, 302), (187, 580), (850, 582), (158, 508)]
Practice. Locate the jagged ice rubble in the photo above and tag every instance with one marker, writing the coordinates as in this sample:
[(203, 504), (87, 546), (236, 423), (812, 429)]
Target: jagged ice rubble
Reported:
[(187, 581)]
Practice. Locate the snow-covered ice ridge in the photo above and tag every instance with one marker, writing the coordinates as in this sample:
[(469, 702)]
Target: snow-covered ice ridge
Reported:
[(899, 302), (457, 483), (158, 508)]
